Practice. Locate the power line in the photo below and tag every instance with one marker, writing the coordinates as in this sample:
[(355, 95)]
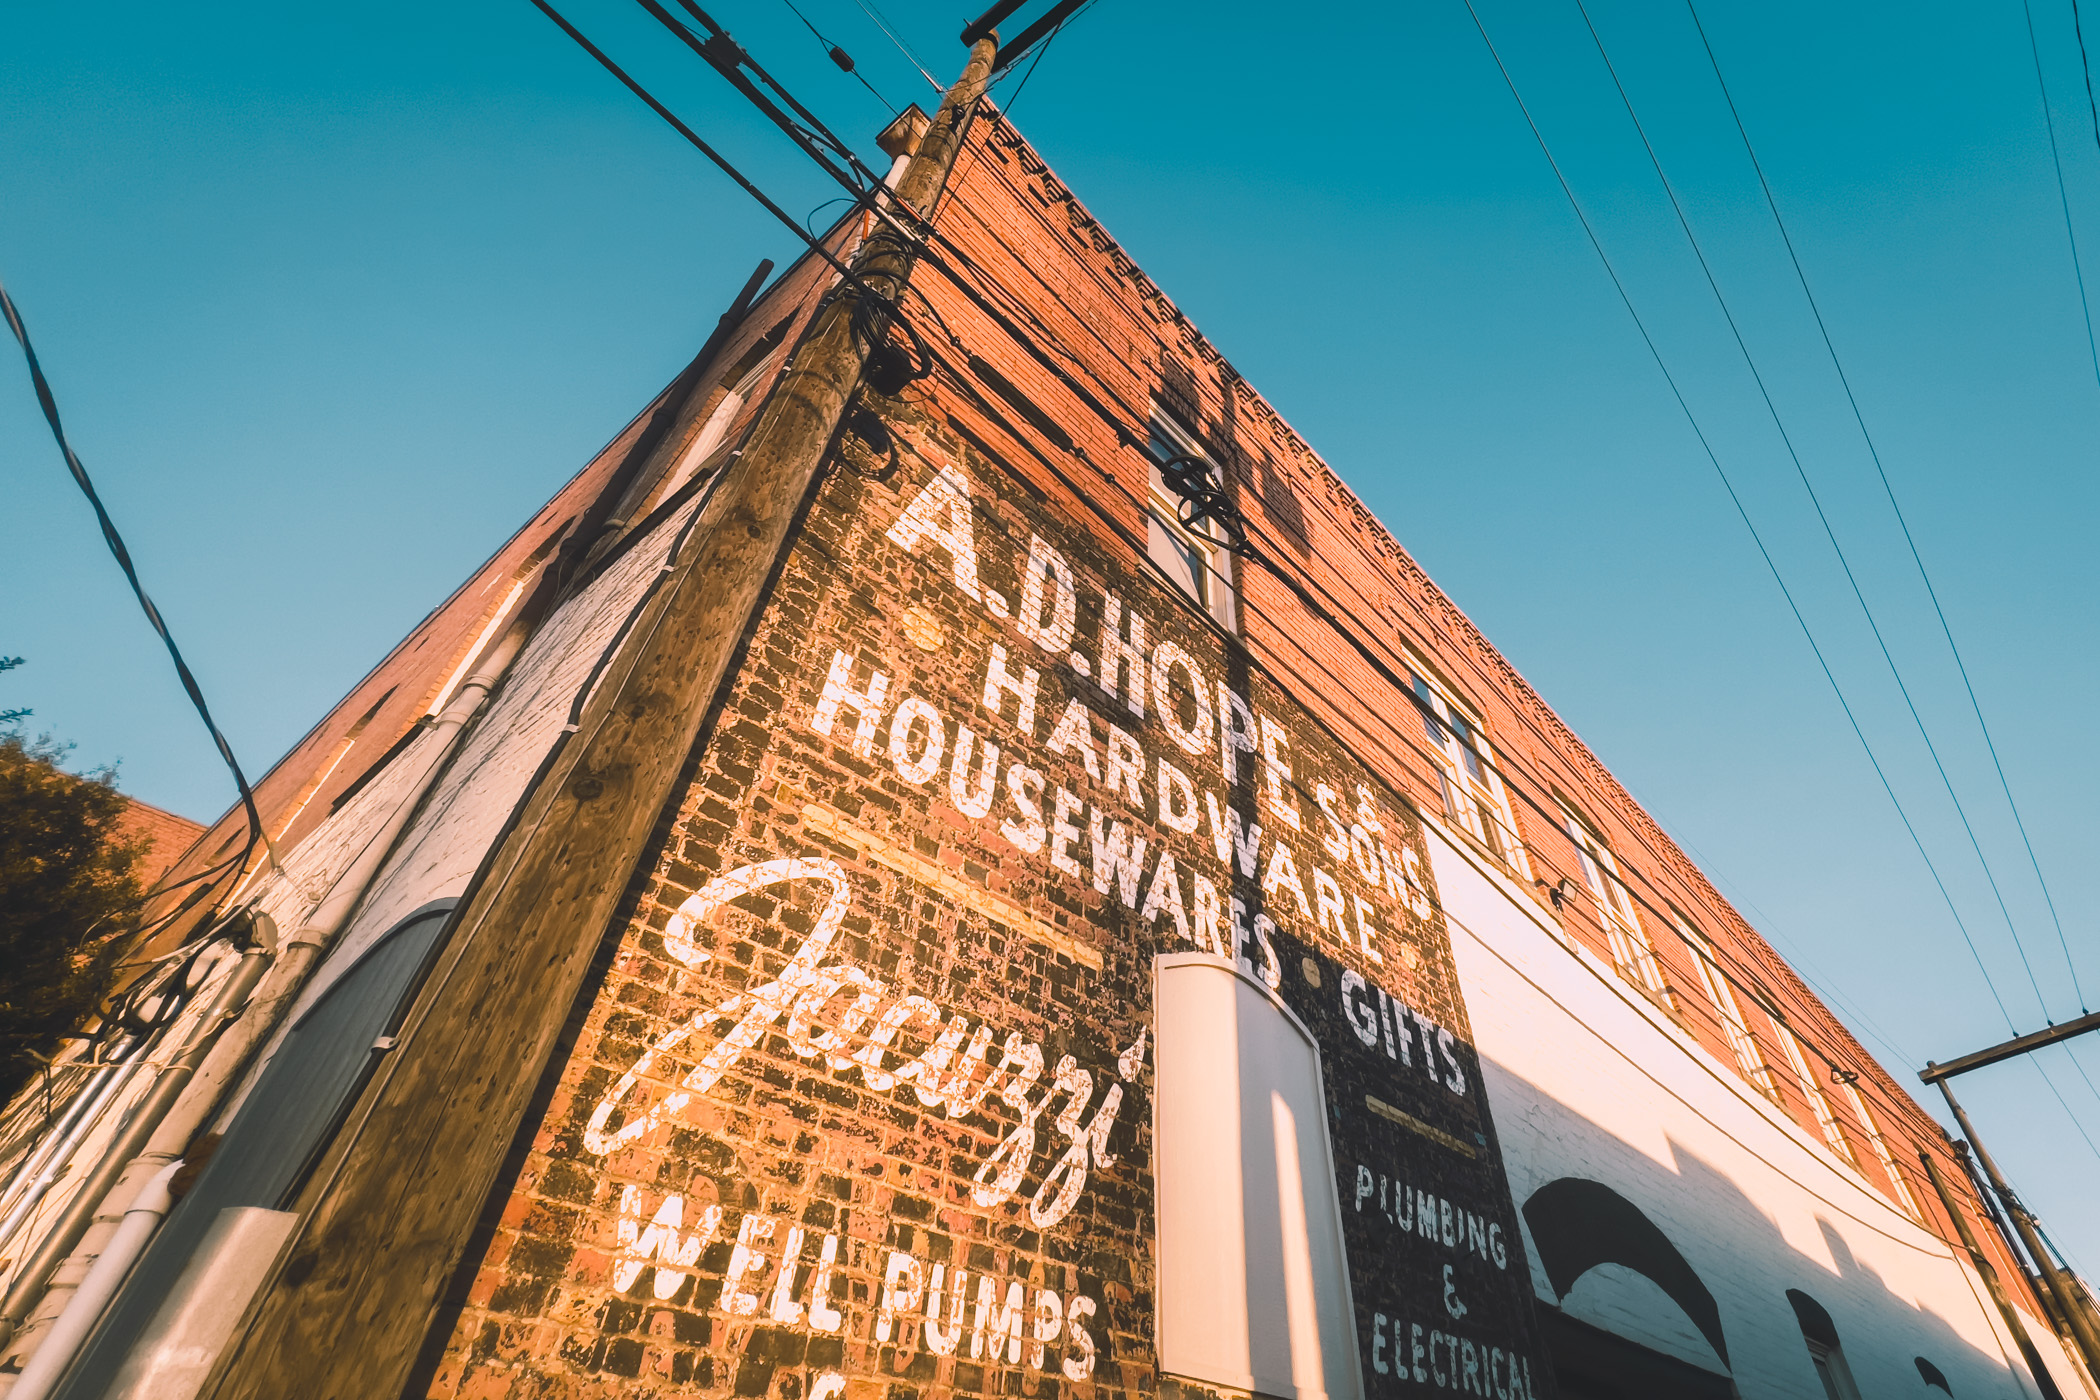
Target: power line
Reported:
[(1829, 533), (1905, 1107), (1874, 452), (1127, 436), (1685, 223), (875, 17), (1678, 394), (1036, 61), (2063, 198), (49, 403), (2085, 70), (840, 58)]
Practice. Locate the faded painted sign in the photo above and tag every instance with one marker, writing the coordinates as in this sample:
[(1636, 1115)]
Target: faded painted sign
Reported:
[(861, 1105)]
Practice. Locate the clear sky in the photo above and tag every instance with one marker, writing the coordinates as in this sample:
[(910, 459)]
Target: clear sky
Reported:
[(334, 297)]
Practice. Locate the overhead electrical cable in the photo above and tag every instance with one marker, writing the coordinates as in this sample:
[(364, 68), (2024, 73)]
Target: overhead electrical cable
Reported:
[(721, 162), (876, 18), (2063, 197), (840, 58), (1736, 500), (49, 403), (2085, 70), (1903, 1105), (1829, 533), (1874, 452), (1128, 436), (1749, 361), (1036, 60)]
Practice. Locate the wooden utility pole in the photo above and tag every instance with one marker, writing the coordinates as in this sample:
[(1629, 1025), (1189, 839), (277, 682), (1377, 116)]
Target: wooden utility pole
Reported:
[(2069, 1304), (392, 1205), (2042, 1378)]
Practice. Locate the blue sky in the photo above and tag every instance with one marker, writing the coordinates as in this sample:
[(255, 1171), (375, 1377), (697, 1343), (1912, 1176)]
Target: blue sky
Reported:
[(334, 297)]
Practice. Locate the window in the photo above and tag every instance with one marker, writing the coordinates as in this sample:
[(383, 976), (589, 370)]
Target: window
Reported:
[(1819, 1334), (1194, 558), (1473, 793), (708, 439), (1253, 1285), (278, 1135), (1812, 1090), (1747, 1057), (1881, 1151), (1630, 949)]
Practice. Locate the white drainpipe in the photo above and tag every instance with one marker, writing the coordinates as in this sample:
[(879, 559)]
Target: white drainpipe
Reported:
[(72, 1326), (274, 996)]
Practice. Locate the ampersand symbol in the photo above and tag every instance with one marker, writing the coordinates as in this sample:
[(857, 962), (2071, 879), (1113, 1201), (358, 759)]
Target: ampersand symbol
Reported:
[(1452, 1303)]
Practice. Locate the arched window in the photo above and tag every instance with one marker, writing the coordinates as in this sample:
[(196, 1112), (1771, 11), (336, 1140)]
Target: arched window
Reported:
[(280, 1131), (1825, 1353)]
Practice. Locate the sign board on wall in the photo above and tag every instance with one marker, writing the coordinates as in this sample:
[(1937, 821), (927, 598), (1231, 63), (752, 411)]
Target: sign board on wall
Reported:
[(863, 1106)]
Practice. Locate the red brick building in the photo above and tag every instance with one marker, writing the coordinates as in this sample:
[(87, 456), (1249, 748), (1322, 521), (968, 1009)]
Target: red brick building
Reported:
[(1080, 952)]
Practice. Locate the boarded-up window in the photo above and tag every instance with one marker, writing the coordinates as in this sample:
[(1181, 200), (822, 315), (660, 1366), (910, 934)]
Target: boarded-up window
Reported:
[(1253, 1285)]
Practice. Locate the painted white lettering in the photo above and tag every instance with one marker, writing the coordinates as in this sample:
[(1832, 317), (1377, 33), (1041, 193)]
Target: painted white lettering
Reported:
[(1025, 786), (839, 691), (1271, 965), (1334, 840), (1283, 874), (998, 683), (1049, 1326), (1363, 852), (941, 513), (972, 799), (1358, 1007), (1328, 894), (751, 1232), (1075, 730), (1365, 928), (1195, 738), (1080, 1365), (1063, 833), (1126, 767), (784, 1308), (661, 1241), (1122, 667), (1236, 731), (909, 715), (1119, 858), (1049, 608), (1276, 767), (1208, 913), (1177, 800), (996, 1321), (942, 1340), (1165, 894), (1231, 839), (822, 1315)]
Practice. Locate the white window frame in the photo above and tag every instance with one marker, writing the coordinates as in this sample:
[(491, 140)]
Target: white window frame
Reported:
[(1833, 1370), (1818, 1101), (1881, 1151), (707, 438), (1213, 581), (1631, 952), (1748, 1058), (1474, 796)]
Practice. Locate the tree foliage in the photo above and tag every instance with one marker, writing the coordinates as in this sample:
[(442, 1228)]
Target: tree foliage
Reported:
[(69, 881)]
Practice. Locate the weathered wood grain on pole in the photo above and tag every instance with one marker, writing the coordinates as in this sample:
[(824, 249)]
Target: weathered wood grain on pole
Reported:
[(2043, 1381), (393, 1205)]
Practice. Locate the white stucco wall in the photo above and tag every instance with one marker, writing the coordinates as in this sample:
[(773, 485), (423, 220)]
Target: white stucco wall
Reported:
[(1586, 1079)]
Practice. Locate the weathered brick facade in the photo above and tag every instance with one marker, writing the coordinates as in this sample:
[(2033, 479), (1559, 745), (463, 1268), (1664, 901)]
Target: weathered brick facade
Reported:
[(858, 1099), (984, 764)]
